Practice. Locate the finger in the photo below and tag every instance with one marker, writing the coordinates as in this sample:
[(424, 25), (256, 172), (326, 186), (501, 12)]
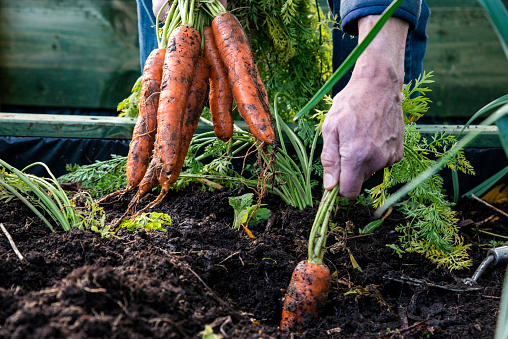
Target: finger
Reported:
[(330, 158), (352, 178)]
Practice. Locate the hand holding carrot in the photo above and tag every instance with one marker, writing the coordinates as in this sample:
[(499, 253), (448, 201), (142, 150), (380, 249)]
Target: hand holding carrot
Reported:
[(364, 129)]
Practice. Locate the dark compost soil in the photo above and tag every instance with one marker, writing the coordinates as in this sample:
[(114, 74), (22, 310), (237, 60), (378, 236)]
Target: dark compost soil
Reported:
[(202, 272)]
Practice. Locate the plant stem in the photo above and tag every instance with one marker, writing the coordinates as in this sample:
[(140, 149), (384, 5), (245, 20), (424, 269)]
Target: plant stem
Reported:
[(27, 203), (319, 231)]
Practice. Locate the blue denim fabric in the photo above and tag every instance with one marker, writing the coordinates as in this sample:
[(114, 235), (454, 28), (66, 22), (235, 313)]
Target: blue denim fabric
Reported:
[(352, 10), (416, 46), (146, 29)]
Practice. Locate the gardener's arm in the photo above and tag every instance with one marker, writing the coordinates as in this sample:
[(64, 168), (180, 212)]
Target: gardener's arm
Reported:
[(364, 130)]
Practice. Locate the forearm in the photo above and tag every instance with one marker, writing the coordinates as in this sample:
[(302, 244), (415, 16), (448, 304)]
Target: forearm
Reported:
[(383, 60)]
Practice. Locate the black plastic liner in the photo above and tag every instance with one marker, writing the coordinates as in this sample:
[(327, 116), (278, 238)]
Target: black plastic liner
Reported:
[(56, 153)]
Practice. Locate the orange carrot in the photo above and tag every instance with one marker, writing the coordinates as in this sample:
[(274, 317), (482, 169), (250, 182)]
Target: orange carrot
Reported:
[(194, 108), (150, 180), (248, 91), (221, 97), (141, 145), (306, 296), (183, 48), (195, 104)]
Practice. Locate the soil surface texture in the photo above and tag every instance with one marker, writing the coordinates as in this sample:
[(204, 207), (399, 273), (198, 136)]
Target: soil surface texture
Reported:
[(201, 275)]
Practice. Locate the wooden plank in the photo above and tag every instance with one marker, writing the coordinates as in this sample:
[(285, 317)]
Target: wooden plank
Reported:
[(65, 126), (99, 127), (78, 53), (469, 64)]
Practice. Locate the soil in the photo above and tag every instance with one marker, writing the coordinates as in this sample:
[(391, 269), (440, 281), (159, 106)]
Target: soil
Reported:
[(200, 271)]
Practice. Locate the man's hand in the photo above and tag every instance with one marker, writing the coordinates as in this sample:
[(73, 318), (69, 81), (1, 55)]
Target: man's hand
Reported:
[(157, 4), (364, 129)]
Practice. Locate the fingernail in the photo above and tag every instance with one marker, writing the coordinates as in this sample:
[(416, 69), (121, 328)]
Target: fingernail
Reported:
[(328, 180)]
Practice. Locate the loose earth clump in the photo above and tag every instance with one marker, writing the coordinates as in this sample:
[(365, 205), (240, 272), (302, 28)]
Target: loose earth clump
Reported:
[(201, 275)]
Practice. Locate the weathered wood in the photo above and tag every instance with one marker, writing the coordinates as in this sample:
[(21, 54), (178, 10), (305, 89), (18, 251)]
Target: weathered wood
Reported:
[(468, 61), (65, 126), (78, 53), (98, 127)]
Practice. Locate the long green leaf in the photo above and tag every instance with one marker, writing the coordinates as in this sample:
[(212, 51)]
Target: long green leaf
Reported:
[(51, 206), (350, 60), (498, 17), (487, 184), (494, 104), (27, 203)]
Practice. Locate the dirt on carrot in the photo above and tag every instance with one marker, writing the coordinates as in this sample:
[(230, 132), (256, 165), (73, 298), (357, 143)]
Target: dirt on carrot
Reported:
[(306, 296), (143, 136), (221, 97), (248, 90)]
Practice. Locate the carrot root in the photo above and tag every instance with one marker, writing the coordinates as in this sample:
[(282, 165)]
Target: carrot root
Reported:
[(306, 296), (143, 136), (248, 89)]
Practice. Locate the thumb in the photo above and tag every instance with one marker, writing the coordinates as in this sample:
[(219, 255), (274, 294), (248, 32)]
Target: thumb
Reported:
[(330, 159)]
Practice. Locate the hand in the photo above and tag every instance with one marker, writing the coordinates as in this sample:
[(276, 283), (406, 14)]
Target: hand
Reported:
[(364, 130), (157, 4)]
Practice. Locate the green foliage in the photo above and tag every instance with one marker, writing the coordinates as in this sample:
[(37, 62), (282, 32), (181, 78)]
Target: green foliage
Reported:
[(400, 252), (371, 226), (291, 43), (431, 228), (99, 178), (45, 197), (245, 212), (129, 107), (147, 221), (492, 244)]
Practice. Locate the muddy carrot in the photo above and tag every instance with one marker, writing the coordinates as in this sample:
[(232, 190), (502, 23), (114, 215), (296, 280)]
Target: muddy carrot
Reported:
[(221, 97), (243, 75), (181, 54), (306, 296), (308, 290), (141, 145), (195, 104)]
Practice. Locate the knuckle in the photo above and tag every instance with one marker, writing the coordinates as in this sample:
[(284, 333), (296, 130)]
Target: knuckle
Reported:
[(328, 159)]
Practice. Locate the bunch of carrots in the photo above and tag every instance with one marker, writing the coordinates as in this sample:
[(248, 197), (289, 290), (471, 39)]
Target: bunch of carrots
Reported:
[(192, 57)]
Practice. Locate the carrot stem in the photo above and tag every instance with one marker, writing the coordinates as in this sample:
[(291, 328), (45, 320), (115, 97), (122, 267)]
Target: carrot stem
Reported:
[(173, 20), (215, 8), (319, 231), (165, 24)]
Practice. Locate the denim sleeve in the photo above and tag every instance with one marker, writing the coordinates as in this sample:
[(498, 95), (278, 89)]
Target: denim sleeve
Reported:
[(352, 10)]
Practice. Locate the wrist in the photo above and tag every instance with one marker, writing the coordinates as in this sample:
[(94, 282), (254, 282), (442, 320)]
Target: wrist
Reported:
[(383, 59)]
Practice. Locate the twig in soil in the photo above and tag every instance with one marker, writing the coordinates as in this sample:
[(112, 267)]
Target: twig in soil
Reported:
[(490, 296), (421, 325), (230, 256), (223, 327), (489, 205), (485, 220), (493, 234), (13, 245), (418, 282)]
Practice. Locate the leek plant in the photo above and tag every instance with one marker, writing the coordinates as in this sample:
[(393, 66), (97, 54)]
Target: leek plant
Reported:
[(45, 197)]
